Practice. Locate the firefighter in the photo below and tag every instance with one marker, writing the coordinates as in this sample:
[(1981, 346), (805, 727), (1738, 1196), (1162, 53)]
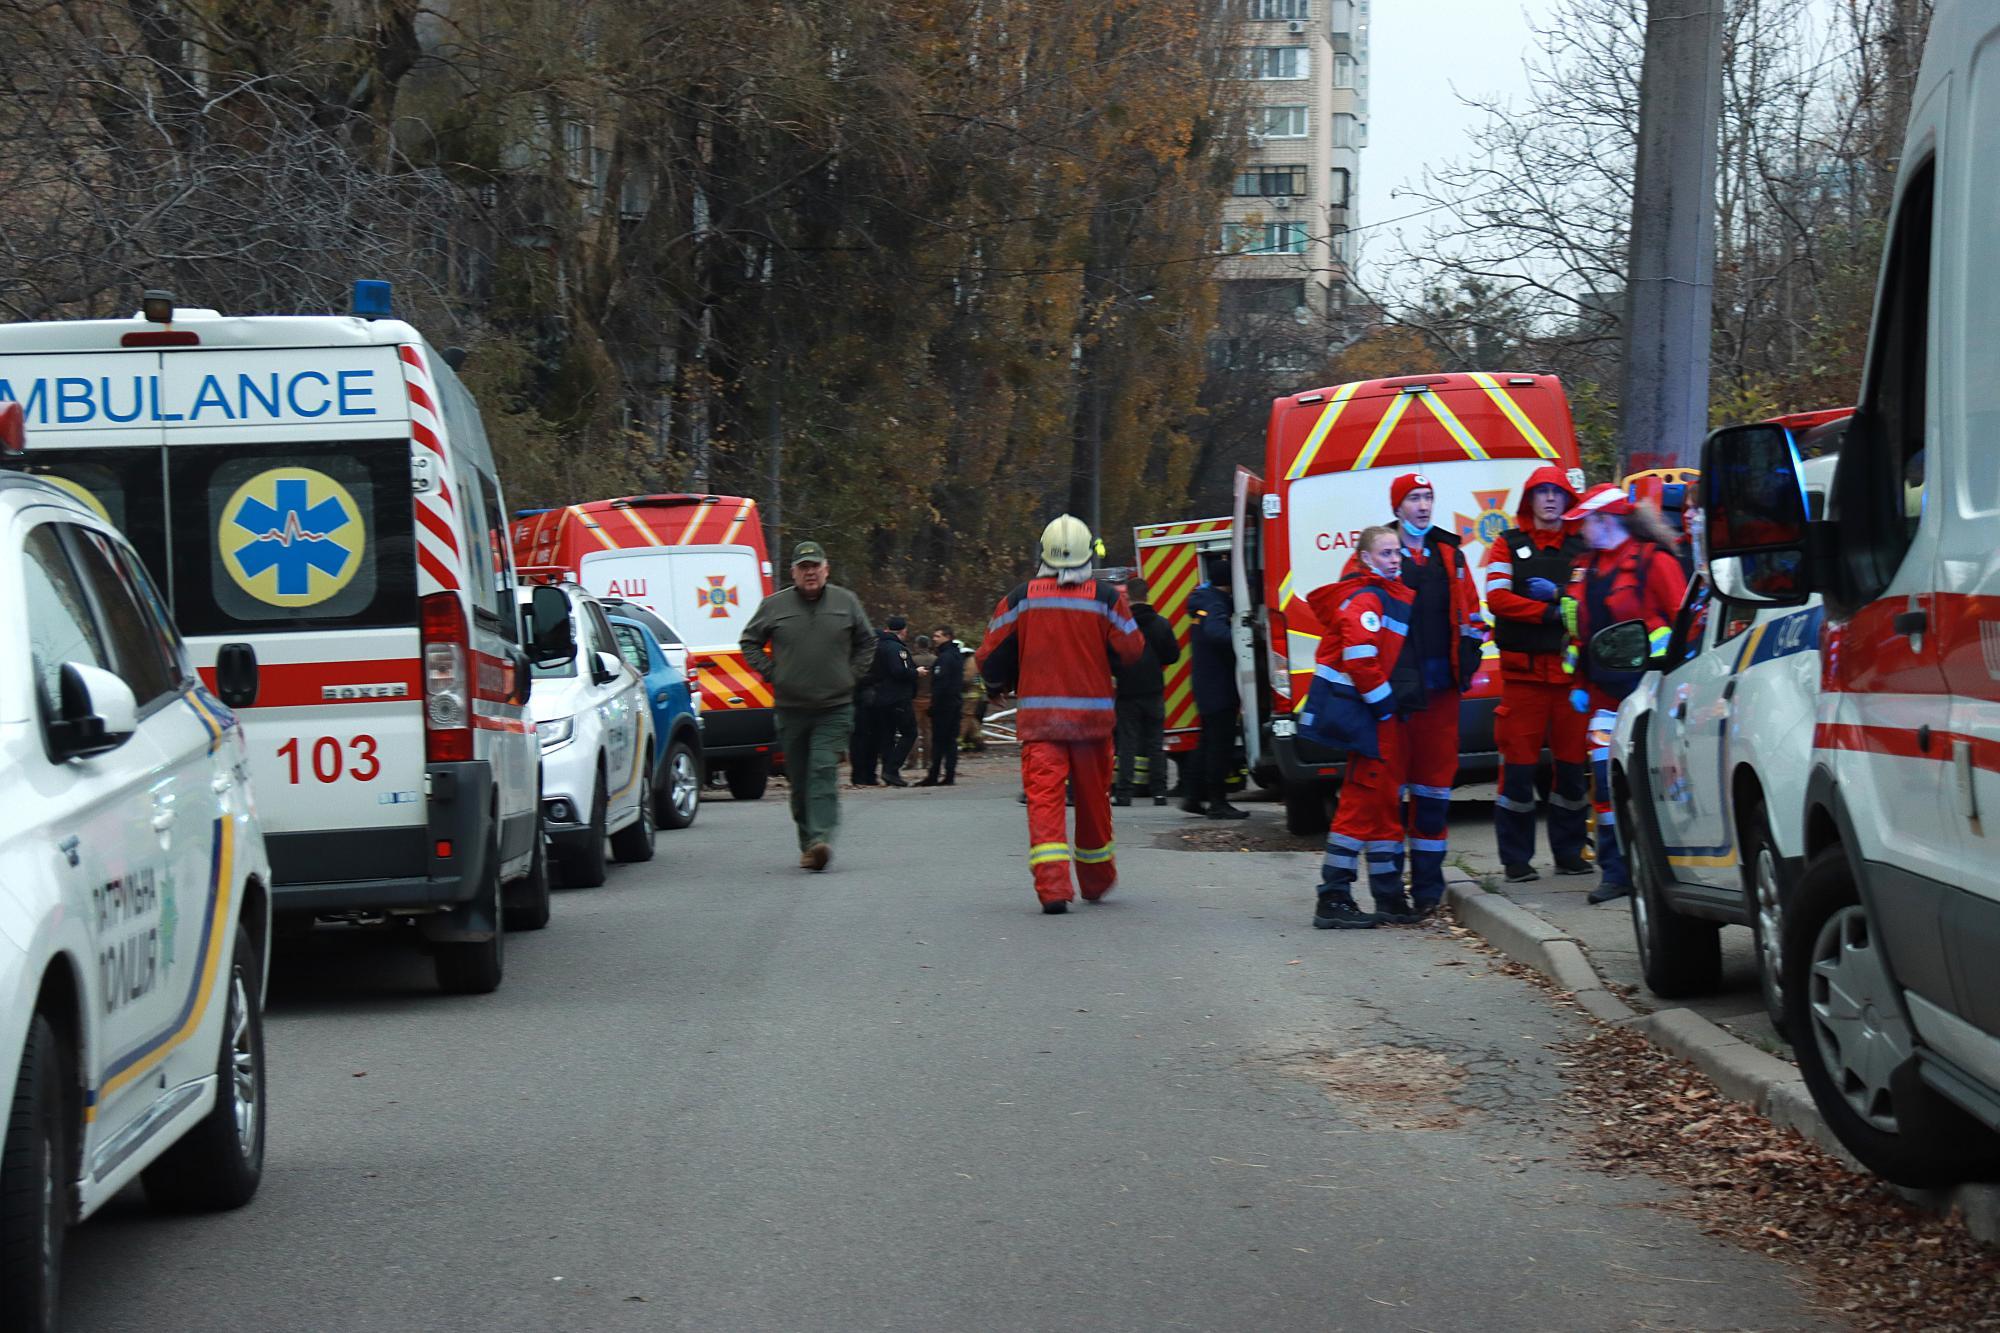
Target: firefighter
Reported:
[(1631, 573), (1445, 639), (1054, 641), (1359, 670), (1527, 570)]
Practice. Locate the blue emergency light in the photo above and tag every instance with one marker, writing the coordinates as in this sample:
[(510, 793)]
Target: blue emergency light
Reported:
[(371, 299)]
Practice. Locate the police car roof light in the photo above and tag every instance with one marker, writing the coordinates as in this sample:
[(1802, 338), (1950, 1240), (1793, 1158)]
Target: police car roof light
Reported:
[(371, 298), (13, 429)]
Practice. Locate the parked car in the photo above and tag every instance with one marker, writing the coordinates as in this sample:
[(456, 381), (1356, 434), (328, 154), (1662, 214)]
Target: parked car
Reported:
[(1708, 766), (596, 734), (136, 918), (1891, 995), (653, 650)]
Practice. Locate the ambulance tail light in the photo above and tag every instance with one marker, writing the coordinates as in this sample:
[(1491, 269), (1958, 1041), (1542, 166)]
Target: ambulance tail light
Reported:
[(162, 338), (13, 430), (447, 680)]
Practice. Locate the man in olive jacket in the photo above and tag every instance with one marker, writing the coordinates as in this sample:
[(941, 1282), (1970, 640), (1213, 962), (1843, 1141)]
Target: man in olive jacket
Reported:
[(812, 642)]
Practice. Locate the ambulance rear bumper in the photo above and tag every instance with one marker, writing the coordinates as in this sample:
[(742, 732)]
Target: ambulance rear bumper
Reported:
[(326, 872)]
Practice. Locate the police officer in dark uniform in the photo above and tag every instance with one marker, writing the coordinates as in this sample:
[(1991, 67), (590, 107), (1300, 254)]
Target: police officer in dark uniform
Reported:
[(886, 724), (1212, 651)]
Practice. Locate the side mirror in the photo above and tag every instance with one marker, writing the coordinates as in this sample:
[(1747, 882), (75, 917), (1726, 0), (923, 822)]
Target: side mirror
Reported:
[(1755, 514), (1625, 646), (550, 634), (604, 667), (97, 713), (236, 674)]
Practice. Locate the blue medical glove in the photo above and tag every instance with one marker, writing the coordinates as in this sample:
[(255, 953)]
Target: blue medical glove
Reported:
[(1543, 590), (1580, 700)]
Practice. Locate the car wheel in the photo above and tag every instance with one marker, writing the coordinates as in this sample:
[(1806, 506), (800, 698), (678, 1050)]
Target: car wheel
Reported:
[(35, 1185), (528, 897), (1854, 1046), (1763, 885), (218, 1163), (749, 777), (586, 865), (680, 802), (475, 967), (1678, 955), (1305, 809), (634, 842)]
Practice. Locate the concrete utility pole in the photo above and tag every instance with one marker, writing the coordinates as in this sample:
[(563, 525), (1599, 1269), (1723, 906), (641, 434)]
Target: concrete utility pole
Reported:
[(1671, 275)]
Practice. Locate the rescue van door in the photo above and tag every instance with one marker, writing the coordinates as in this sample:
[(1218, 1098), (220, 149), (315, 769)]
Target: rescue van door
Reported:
[(1245, 575), (708, 593)]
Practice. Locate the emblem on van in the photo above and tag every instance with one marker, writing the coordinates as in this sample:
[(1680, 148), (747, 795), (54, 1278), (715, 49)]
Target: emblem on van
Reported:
[(1491, 520), (291, 536), (718, 597)]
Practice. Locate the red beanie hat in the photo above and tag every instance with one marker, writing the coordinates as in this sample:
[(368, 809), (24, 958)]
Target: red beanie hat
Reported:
[(1400, 488)]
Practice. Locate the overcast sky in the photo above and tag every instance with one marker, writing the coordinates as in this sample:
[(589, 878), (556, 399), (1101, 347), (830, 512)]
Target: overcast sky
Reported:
[(1422, 56)]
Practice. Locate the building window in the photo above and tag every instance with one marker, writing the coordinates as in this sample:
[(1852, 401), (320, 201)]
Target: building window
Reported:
[(1346, 131), (1342, 246), (1343, 71), (1343, 184), (1251, 298), (1286, 122), (1262, 11), (1267, 182), (1275, 62), (1270, 238)]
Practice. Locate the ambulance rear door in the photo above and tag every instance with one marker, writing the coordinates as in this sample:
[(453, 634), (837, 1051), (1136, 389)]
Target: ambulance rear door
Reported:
[(1245, 565), (708, 593), (1169, 556)]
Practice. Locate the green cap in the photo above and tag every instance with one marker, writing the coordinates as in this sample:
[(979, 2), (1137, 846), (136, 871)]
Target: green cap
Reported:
[(808, 553)]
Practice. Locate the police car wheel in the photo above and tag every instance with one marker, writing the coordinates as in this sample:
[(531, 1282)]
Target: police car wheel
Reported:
[(1678, 955), (475, 967), (1764, 885), (1855, 1049), (680, 800), (218, 1163), (586, 864), (527, 900), (749, 777), (34, 1185), (634, 842)]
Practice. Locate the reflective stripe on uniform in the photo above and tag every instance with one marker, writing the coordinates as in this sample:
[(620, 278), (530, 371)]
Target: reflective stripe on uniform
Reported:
[(1358, 651), (1094, 856), (1332, 674), (1518, 807), (1044, 852), (1376, 695), (1429, 844), (1435, 793)]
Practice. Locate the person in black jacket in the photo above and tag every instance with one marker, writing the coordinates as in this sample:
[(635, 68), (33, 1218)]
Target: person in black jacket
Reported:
[(884, 726), (1142, 699), (1212, 653), (947, 698)]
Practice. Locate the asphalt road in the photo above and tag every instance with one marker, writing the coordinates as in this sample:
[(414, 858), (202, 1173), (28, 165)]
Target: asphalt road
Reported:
[(721, 1093)]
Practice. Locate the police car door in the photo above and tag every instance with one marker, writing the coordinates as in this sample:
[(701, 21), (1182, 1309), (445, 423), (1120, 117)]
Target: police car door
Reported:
[(1699, 706), (619, 704)]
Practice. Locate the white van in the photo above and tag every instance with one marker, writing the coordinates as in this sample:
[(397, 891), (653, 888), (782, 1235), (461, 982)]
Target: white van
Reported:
[(1892, 997), (316, 497)]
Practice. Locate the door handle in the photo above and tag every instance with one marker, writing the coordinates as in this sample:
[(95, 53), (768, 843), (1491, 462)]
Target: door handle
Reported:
[(163, 819), (1680, 710), (1912, 622), (1729, 690)]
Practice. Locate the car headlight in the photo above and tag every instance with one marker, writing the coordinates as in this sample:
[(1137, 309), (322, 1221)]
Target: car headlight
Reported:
[(555, 733)]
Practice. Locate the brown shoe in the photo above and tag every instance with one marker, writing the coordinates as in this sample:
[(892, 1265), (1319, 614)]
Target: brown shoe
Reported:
[(816, 856), (805, 860)]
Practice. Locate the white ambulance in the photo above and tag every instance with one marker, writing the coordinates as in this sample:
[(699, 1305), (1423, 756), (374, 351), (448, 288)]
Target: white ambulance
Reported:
[(316, 498), (1891, 994)]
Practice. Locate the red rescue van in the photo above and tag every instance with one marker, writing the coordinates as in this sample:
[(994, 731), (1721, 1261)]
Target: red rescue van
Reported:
[(698, 562), (1329, 456)]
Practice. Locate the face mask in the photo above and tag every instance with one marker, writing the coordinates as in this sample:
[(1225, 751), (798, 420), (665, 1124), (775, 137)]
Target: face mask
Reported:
[(1416, 533), (1379, 563)]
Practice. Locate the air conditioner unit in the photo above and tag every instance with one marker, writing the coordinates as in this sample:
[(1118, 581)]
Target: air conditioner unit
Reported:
[(1281, 202), (1297, 26)]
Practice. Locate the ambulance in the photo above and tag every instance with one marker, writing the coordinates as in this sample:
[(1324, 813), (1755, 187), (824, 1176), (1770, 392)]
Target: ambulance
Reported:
[(1328, 459), (699, 563), (1174, 560), (316, 498)]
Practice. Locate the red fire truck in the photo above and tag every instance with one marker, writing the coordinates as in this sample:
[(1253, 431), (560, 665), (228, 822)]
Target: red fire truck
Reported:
[(698, 562)]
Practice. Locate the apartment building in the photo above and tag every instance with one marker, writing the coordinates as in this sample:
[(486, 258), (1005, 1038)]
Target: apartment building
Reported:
[(1286, 226)]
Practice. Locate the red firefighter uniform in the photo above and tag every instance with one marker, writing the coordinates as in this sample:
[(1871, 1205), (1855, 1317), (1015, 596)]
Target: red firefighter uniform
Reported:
[(1632, 580), (1359, 671), (1056, 642), (1528, 570), (1447, 633)]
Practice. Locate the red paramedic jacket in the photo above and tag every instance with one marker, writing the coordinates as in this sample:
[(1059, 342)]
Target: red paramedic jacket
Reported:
[(1636, 581), (1053, 644), (1363, 655), (1506, 604)]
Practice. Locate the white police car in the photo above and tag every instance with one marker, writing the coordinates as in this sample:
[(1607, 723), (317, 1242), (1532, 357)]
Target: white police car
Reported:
[(134, 901), (596, 733)]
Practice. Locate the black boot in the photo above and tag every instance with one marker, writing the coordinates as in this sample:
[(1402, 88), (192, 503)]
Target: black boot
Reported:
[(1574, 865), (1121, 799), (1396, 911), (1520, 872), (1335, 910), (1224, 810), (1605, 893)]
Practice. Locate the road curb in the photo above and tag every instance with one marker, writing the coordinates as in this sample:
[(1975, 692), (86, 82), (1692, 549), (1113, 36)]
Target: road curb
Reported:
[(1741, 1071)]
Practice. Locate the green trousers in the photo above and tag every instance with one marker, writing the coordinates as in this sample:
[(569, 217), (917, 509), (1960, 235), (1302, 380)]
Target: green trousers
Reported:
[(814, 739)]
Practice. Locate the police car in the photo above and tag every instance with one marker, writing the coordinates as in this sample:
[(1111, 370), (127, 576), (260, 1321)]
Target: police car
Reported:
[(136, 906), (316, 498), (596, 734), (1709, 763)]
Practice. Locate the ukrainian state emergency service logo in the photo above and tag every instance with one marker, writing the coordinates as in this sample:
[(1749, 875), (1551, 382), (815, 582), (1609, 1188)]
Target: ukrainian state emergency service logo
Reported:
[(718, 597), (291, 537), (1492, 519)]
